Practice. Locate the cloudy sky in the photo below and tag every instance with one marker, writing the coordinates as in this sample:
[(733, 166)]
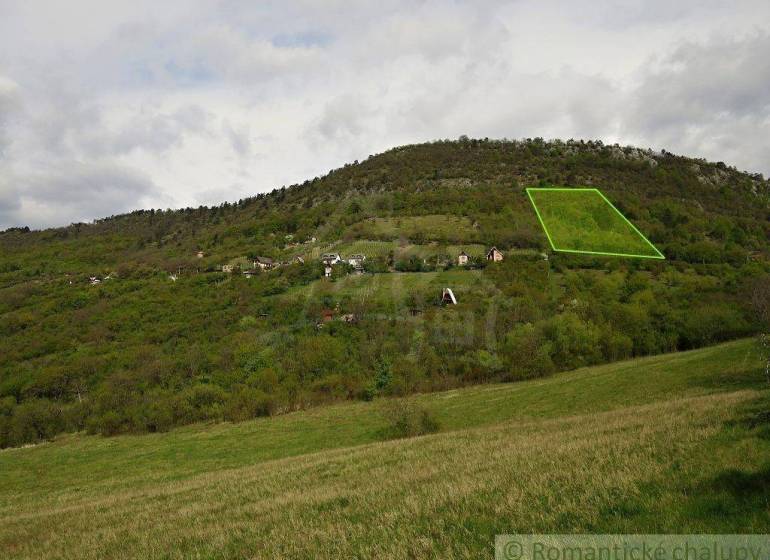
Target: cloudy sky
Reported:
[(108, 106)]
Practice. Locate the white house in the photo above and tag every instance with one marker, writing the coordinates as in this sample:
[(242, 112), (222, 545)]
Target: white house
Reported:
[(357, 261), (331, 258), (448, 296), (263, 263), (494, 255), (462, 259)]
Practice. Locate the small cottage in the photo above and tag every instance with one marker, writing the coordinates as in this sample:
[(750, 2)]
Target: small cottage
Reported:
[(331, 258), (357, 262), (448, 297), (494, 255), (200, 254), (264, 263), (227, 268), (462, 259)]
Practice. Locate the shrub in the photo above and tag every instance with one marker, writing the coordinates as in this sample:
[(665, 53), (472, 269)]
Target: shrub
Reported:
[(406, 419), (246, 403)]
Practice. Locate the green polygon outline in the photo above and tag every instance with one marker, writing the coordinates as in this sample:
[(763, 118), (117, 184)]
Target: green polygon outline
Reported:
[(658, 254)]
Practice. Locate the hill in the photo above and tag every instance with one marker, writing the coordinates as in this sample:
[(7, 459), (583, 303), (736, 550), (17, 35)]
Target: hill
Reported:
[(165, 338), (675, 443)]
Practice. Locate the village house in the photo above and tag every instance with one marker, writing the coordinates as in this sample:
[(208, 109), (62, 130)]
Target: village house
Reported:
[(200, 254), (227, 268), (357, 262), (448, 297), (494, 255), (263, 263), (249, 273), (462, 259), (331, 258)]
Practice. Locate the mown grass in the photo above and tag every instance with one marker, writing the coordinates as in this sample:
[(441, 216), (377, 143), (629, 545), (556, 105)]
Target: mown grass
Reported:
[(581, 220), (672, 443)]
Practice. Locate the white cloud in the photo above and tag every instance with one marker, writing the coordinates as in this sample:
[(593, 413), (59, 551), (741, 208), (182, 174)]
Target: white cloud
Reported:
[(108, 107)]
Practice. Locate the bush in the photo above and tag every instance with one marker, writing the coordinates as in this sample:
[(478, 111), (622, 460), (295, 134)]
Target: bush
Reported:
[(407, 419), (34, 420), (246, 403)]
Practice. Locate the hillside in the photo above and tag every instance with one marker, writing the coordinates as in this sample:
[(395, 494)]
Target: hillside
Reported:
[(676, 443), (142, 351)]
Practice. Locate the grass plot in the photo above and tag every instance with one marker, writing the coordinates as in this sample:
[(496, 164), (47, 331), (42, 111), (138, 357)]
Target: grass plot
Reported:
[(584, 221)]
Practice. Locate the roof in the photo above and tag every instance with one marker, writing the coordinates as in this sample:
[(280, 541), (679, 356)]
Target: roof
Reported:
[(493, 249), (264, 260), (463, 253), (450, 293)]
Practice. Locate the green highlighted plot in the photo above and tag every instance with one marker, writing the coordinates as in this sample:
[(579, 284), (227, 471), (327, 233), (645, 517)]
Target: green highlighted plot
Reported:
[(584, 221)]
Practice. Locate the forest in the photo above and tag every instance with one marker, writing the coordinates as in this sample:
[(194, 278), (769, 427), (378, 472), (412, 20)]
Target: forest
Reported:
[(142, 352)]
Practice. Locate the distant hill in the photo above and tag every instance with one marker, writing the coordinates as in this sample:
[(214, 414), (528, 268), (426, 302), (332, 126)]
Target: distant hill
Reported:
[(120, 326)]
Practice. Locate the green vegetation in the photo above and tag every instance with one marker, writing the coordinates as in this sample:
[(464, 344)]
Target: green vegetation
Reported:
[(672, 443), (584, 221), (140, 352)]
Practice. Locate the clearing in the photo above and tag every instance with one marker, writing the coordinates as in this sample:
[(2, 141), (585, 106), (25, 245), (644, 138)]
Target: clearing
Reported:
[(585, 221)]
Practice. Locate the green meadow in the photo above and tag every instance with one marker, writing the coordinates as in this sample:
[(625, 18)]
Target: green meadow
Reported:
[(584, 221), (671, 443)]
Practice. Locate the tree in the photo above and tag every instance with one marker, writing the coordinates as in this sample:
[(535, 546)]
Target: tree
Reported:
[(760, 301)]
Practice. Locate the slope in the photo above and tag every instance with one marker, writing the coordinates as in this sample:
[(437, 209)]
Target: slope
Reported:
[(672, 443)]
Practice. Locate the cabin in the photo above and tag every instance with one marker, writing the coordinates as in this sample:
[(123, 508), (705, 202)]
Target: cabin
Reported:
[(200, 254), (357, 262), (331, 258), (462, 259), (264, 263), (227, 268), (494, 255), (448, 297)]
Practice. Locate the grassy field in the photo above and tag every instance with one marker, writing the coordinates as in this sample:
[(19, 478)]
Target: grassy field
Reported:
[(581, 220), (674, 443), (391, 290), (434, 227)]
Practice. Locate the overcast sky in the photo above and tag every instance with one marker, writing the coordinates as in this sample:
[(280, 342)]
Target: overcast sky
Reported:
[(108, 106)]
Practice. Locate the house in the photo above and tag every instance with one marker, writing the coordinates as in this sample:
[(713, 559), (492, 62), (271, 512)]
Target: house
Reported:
[(200, 254), (331, 258), (93, 280), (494, 255), (448, 297), (249, 273), (227, 268), (357, 262), (264, 263), (298, 260), (462, 259)]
